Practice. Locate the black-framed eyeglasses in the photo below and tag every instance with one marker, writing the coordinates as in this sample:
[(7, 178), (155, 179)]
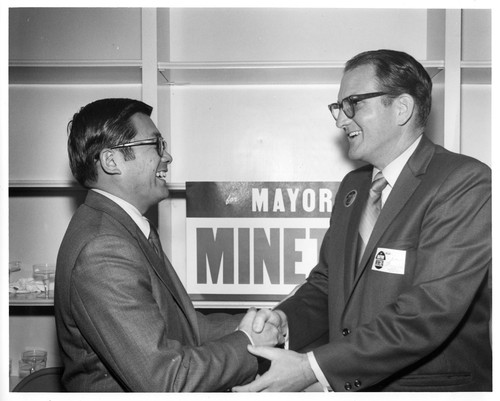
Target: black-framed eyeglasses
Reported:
[(159, 142), (347, 104)]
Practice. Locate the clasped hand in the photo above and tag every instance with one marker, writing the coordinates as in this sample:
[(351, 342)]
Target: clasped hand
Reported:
[(266, 327), (290, 371)]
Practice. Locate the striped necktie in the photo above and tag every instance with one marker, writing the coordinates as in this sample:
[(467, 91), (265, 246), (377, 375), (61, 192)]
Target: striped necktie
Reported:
[(371, 212)]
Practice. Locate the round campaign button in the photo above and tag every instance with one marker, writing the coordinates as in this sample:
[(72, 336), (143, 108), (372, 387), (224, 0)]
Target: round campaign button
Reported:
[(350, 198)]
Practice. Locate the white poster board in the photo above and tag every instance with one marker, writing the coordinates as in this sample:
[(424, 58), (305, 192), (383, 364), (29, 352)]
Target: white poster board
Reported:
[(253, 241)]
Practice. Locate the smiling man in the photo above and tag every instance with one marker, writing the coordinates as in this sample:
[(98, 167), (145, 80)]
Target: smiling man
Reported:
[(124, 321), (401, 297)]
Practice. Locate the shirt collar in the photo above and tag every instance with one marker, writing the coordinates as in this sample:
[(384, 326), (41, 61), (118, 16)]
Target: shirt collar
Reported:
[(393, 169), (130, 209)]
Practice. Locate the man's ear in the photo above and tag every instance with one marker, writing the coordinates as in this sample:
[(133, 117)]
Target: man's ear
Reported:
[(108, 157), (405, 108)]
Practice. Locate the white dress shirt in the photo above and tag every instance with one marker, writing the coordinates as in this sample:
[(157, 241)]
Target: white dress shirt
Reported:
[(130, 209)]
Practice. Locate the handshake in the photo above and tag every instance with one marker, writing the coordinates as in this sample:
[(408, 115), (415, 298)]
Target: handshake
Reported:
[(265, 327), (289, 370)]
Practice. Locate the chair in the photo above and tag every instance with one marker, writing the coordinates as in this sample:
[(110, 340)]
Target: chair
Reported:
[(47, 380)]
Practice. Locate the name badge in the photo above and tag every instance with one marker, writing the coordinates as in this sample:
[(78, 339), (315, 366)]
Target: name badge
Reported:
[(389, 261)]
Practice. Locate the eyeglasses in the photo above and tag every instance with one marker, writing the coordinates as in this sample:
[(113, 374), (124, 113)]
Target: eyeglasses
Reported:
[(161, 144), (347, 104)]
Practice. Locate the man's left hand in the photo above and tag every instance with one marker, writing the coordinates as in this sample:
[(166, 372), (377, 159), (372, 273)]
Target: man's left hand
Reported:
[(290, 371)]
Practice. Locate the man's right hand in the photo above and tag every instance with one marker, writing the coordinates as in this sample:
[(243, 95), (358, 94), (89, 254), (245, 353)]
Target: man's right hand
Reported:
[(270, 333), (275, 317)]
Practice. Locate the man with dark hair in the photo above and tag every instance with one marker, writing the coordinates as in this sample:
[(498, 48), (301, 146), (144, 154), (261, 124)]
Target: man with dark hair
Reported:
[(124, 321), (401, 297)]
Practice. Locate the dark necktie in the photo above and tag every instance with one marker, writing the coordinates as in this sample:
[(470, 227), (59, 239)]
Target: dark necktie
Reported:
[(371, 212), (154, 240)]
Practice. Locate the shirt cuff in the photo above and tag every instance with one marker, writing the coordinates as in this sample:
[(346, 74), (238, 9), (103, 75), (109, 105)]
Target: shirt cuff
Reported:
[(248, 335), (318, 372)]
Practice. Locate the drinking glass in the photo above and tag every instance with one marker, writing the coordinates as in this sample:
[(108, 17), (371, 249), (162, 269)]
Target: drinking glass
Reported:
[(31, 361), (44, 272), (14, 266)]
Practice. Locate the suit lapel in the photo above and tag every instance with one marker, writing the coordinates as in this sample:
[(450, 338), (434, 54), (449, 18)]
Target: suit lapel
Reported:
[(406, 184), (362, 188)]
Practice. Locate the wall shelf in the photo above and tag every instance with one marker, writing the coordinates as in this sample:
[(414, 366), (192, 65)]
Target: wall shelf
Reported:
[(29, 300), (250, 73), (476, 72), (75, 72), (44, 185)]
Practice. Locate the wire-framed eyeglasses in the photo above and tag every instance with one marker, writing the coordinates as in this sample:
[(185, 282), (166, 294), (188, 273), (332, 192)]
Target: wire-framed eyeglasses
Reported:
[(347, 105), (159, 142)]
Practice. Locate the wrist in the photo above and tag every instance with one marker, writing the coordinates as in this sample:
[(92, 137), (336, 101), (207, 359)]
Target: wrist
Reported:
[(248, 335), (283, 320), (307, 371)]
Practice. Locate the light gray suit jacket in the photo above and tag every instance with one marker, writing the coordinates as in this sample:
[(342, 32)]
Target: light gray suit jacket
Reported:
[(417, 324), (124, 320)]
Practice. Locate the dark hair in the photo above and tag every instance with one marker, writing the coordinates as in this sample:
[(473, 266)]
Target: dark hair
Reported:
[(397, 73), (98, 125)]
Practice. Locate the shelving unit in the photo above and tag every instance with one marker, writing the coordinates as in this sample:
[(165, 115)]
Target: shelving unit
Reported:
[(60, 59), (232, 90)]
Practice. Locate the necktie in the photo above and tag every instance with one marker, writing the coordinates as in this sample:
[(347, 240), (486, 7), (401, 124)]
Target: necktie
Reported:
[(371, 212), (188, 315), (154, 240)]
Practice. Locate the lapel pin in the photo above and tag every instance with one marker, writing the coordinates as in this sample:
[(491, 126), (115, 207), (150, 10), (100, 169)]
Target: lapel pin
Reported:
[(350, 197)]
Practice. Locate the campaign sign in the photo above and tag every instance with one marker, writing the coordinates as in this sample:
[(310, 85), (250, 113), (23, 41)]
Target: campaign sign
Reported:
[(254, 240)]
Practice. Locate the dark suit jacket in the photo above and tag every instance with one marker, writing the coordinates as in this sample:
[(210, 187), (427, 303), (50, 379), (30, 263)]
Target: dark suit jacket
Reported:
[(124, 320), (423, 329)]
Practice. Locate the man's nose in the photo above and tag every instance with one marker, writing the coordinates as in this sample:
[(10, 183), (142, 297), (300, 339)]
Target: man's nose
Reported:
[(342, 119), (167, 157)]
